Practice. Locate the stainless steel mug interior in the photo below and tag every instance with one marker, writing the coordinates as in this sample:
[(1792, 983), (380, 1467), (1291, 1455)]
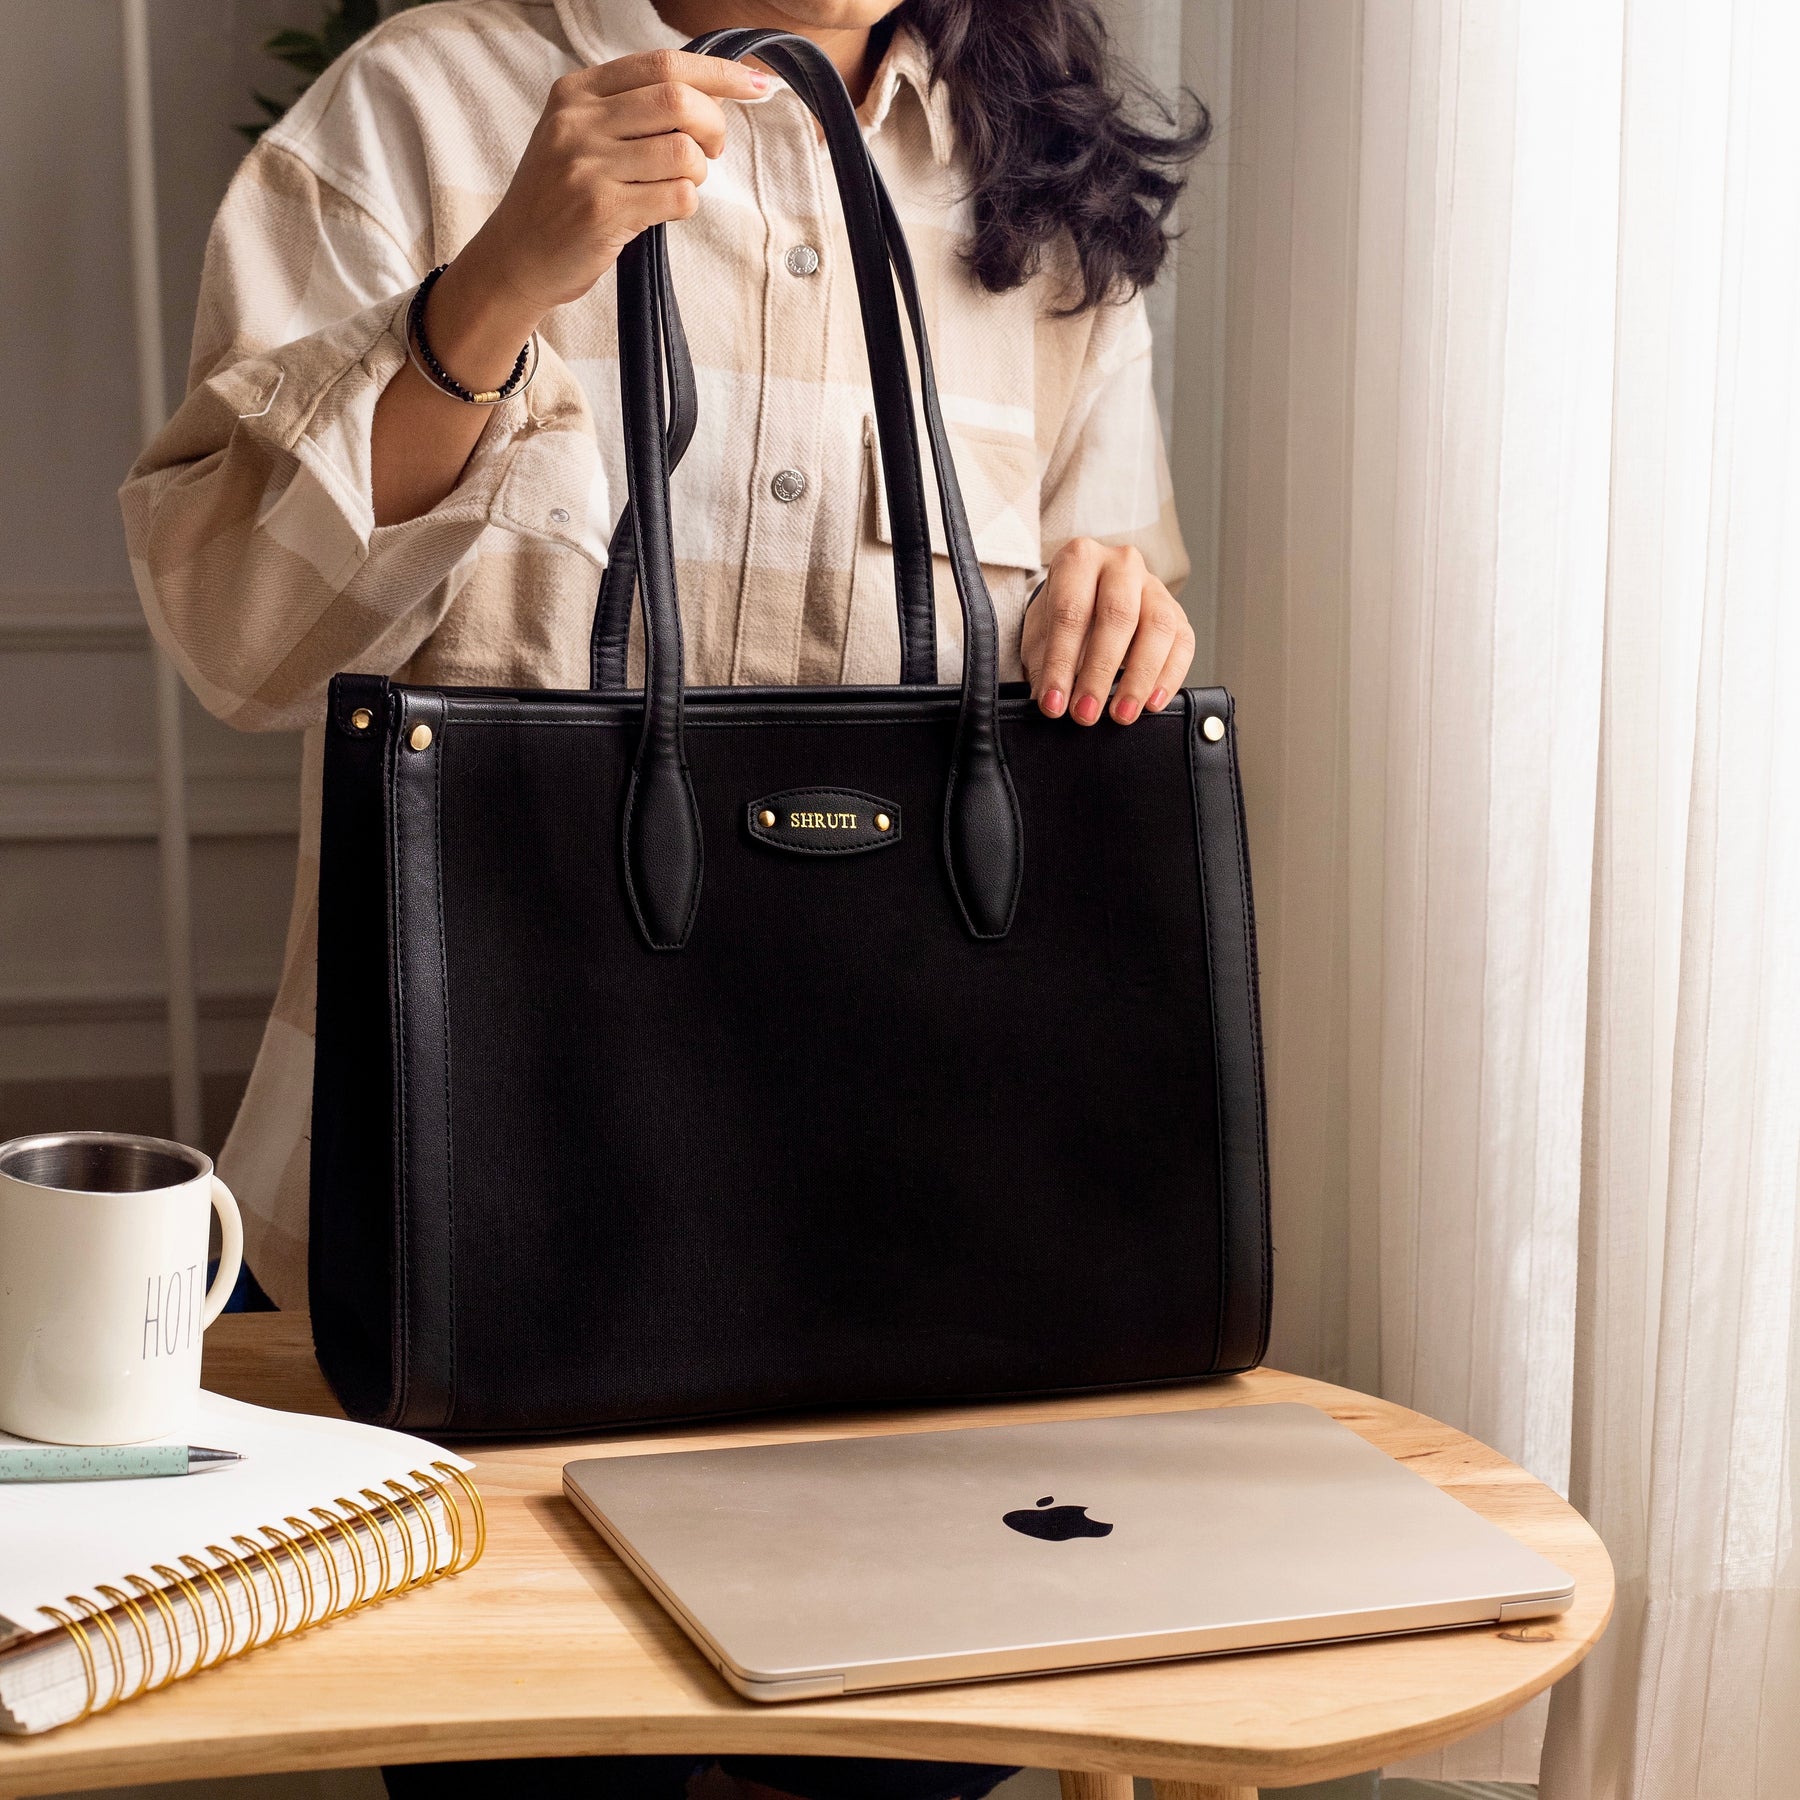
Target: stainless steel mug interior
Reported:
[(101, 1162)]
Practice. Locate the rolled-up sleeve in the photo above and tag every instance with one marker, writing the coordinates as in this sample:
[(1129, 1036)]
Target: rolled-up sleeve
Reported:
[(250, 518)]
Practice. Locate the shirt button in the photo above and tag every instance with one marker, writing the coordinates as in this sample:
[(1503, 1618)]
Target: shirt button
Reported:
[(789, 484), (559, 515), (803, 259)]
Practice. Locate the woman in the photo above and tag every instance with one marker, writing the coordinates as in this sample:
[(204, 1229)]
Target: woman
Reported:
[(335, 493)]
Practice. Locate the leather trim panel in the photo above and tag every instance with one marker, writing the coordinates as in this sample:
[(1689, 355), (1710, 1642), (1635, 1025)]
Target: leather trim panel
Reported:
[(424, 1249), (1245, 1265)]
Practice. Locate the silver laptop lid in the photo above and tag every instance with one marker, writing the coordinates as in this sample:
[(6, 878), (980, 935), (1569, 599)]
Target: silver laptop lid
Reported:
[(851, 1563)]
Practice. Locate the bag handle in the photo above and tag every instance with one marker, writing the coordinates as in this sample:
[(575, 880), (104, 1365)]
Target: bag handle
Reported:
[(611, 637), (894, 420), (982, 835)]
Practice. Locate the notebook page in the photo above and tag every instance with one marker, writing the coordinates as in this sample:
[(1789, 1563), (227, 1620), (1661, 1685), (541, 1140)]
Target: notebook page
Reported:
[(62, 1538)]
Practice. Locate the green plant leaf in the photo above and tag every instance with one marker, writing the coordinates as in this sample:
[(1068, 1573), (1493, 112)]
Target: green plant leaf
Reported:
[(310, 53)]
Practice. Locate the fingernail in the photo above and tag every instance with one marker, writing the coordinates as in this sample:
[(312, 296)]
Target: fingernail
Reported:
[(1125, 709), (1053, 702), (1087, 709), (758, 80), (1158, 700)]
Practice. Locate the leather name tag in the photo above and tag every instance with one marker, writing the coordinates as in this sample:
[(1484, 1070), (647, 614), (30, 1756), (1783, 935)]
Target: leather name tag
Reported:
[(825, 821)]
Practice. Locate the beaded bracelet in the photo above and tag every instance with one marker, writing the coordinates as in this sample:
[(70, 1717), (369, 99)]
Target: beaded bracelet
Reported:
[(418, 348)]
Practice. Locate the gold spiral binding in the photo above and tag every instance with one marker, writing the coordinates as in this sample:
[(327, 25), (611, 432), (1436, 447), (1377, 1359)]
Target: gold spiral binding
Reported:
[(252, 1595), (126, 1604), (473, 1495), (407, 1581), (329, 1556), (347, 1522), (452, 1514), (331, 1521), (428, 1525), (114, 1648), (195, 1566), (277, 1581), (202, 1624), (149, 1591), (381, 1544), (297, 1557), (79, 1634)]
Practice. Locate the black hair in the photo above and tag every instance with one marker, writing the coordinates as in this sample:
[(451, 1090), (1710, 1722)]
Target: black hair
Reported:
[(1058, 136)]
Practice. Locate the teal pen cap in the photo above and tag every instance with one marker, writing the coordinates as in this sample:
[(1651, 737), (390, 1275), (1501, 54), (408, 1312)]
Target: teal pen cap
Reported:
[(105, 1462)]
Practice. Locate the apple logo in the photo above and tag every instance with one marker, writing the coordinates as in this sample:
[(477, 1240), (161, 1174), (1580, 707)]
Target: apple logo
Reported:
[(1058, 1524)]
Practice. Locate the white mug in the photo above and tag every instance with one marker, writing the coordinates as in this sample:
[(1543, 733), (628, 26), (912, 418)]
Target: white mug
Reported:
[(103, 1246)]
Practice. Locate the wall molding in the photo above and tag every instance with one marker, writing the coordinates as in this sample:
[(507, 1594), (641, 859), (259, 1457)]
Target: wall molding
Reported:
[(117, 799), (56, 620), (127, 1006), (98, 798), (92, 1033)]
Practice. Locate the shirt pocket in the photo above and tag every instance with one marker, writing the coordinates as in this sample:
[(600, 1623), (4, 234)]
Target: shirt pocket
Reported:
[(999, 476)]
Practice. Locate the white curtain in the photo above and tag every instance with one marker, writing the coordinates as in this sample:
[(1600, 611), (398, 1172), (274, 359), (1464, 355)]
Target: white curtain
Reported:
[(1508, 588)]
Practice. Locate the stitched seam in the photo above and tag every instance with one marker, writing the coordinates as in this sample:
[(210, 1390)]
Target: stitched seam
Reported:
[(1012, 801), (821, 717), (1195, 773), (625, 854), (437, 871), (1252, 998), (687, 923), (606, 663), (403, 1382), (687, 787)]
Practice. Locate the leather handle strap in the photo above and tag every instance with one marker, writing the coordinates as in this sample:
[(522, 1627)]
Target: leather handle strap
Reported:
[(984, 839), (618, 581), (894, 419), (982, 833)]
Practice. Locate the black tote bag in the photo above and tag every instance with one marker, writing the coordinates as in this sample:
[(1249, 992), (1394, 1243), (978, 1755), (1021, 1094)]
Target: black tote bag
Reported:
[(688, 1052)]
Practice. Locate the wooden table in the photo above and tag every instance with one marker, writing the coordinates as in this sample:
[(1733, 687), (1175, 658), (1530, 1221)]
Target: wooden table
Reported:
[(549, 1647)]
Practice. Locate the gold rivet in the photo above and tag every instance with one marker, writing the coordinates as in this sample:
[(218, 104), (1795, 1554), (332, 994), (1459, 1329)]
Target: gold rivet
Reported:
[(362, 718), (882, 821), (1212, 727), (420, 737), (765, 818)]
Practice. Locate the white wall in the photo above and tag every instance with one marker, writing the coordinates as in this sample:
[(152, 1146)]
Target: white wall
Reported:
[(80, 956)]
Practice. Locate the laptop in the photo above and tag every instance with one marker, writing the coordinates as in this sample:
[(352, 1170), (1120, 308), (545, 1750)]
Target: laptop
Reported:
[(846, 1565)]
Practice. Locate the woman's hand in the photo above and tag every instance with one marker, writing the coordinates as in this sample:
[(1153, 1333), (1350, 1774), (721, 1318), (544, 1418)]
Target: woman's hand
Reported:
[(1100, 614), (618, 147)]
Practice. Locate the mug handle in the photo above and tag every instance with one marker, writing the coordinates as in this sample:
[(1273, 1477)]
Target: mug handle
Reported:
[(231, 1252)]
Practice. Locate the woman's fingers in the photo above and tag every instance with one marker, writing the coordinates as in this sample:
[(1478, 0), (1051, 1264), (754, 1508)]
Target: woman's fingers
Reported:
[(670, 106), (1158, 657), (651, 68), (1057, 624), (660, 202), (1118, 601), (1174, 673), (1149, 654), (672, 157), (1099, 615)]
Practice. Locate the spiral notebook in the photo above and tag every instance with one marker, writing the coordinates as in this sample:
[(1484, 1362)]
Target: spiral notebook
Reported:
[(112, 1589)]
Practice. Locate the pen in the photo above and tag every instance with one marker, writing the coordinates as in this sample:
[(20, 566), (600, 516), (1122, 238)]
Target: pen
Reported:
[(104, 1462)]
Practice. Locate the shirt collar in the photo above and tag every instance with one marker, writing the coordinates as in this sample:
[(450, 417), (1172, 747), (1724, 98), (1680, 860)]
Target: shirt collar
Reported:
[(908, 62), (601, 29)]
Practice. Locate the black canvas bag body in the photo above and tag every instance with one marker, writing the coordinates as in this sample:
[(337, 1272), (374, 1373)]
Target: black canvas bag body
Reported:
[(692, 1052)]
